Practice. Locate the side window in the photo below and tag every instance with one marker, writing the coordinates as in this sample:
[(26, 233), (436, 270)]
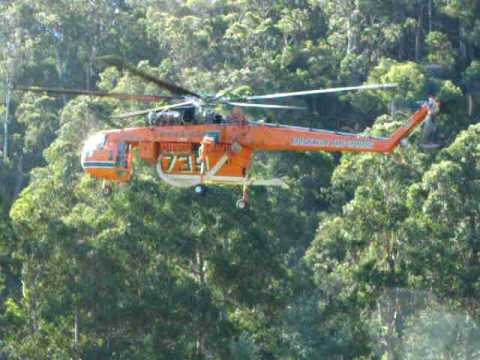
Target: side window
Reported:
[(122, 155)]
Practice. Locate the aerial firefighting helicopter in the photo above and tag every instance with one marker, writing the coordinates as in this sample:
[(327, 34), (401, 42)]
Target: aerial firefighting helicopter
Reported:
[(191, 145)]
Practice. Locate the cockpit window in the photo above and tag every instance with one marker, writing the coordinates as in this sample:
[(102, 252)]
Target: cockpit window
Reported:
[(94, 142)]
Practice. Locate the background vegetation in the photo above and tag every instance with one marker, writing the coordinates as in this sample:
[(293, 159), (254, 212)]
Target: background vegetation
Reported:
[(366, 257)]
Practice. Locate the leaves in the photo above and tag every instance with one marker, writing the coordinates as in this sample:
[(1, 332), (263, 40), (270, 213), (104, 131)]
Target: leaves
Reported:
[(365, 256)]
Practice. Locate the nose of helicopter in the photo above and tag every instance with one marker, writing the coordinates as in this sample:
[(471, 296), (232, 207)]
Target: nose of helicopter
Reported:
[(83, 157), (100, 159), (94, 143)]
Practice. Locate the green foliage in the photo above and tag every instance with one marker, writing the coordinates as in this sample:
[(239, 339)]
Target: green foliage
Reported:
[(439, 49), (365, 256), (439, 333), (408, 75), (472, 75)]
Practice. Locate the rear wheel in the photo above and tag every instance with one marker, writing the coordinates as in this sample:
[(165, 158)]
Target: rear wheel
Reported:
[(200, 189)]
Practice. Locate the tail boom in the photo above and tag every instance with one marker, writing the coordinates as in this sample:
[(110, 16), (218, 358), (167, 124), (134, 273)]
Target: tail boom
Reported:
[(278, 137)]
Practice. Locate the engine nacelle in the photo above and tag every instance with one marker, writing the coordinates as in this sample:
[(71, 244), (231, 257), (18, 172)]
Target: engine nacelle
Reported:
[(164, 117)]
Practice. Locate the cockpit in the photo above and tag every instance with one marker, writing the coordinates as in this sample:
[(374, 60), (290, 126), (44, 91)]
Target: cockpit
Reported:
[(106, 158), (94, 142)]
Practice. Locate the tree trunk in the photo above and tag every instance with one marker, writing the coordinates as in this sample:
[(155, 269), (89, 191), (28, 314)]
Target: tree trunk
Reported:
[(91, 60), (419, 34), (89, 74), (76, 328), (462, 45), (19, 178), (470, 104), (470, 340), (429, 16), (5, 128), (60, 71), (392, 305), (353, 27)]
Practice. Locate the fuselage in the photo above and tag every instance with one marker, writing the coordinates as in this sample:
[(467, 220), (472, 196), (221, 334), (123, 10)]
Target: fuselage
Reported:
[(183, 150)]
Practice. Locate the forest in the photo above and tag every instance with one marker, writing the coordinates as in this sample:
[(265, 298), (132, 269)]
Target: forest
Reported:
[(365, 256)]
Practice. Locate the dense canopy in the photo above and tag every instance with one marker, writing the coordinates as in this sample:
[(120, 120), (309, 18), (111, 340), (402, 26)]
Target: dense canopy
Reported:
[(366, 256)]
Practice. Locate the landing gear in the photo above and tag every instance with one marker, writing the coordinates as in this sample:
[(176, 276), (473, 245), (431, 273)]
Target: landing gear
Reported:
[(107, 189), (200, 189), (241, 204)]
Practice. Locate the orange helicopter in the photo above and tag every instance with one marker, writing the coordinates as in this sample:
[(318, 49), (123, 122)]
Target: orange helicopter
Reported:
[(191, 145)]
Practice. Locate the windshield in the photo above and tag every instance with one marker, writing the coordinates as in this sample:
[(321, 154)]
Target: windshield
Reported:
[(94, 142)]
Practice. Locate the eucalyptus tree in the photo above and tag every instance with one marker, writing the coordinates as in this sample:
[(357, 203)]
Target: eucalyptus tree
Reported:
[(445, 218)]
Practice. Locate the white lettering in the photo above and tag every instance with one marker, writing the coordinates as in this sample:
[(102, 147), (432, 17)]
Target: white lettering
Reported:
[(357, 143)]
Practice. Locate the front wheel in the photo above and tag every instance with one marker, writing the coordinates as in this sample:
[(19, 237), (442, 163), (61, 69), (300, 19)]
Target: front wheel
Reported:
[(107, 190), (241, 204)]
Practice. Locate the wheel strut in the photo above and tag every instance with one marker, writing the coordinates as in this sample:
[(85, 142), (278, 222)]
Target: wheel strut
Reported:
[(242, 203), (107, 189)]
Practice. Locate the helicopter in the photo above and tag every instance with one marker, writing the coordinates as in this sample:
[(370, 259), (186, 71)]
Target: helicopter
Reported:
[(192, 146)]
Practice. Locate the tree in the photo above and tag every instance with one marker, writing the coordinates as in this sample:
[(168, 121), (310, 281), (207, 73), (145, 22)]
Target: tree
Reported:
[(448, 191)]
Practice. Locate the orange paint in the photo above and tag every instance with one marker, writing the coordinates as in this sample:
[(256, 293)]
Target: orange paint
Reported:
[(222, 153)]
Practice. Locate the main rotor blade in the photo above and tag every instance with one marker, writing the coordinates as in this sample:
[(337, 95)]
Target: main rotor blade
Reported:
[(143, 112), (173, 88), (321, 91), (122, 96), (265, 106)]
